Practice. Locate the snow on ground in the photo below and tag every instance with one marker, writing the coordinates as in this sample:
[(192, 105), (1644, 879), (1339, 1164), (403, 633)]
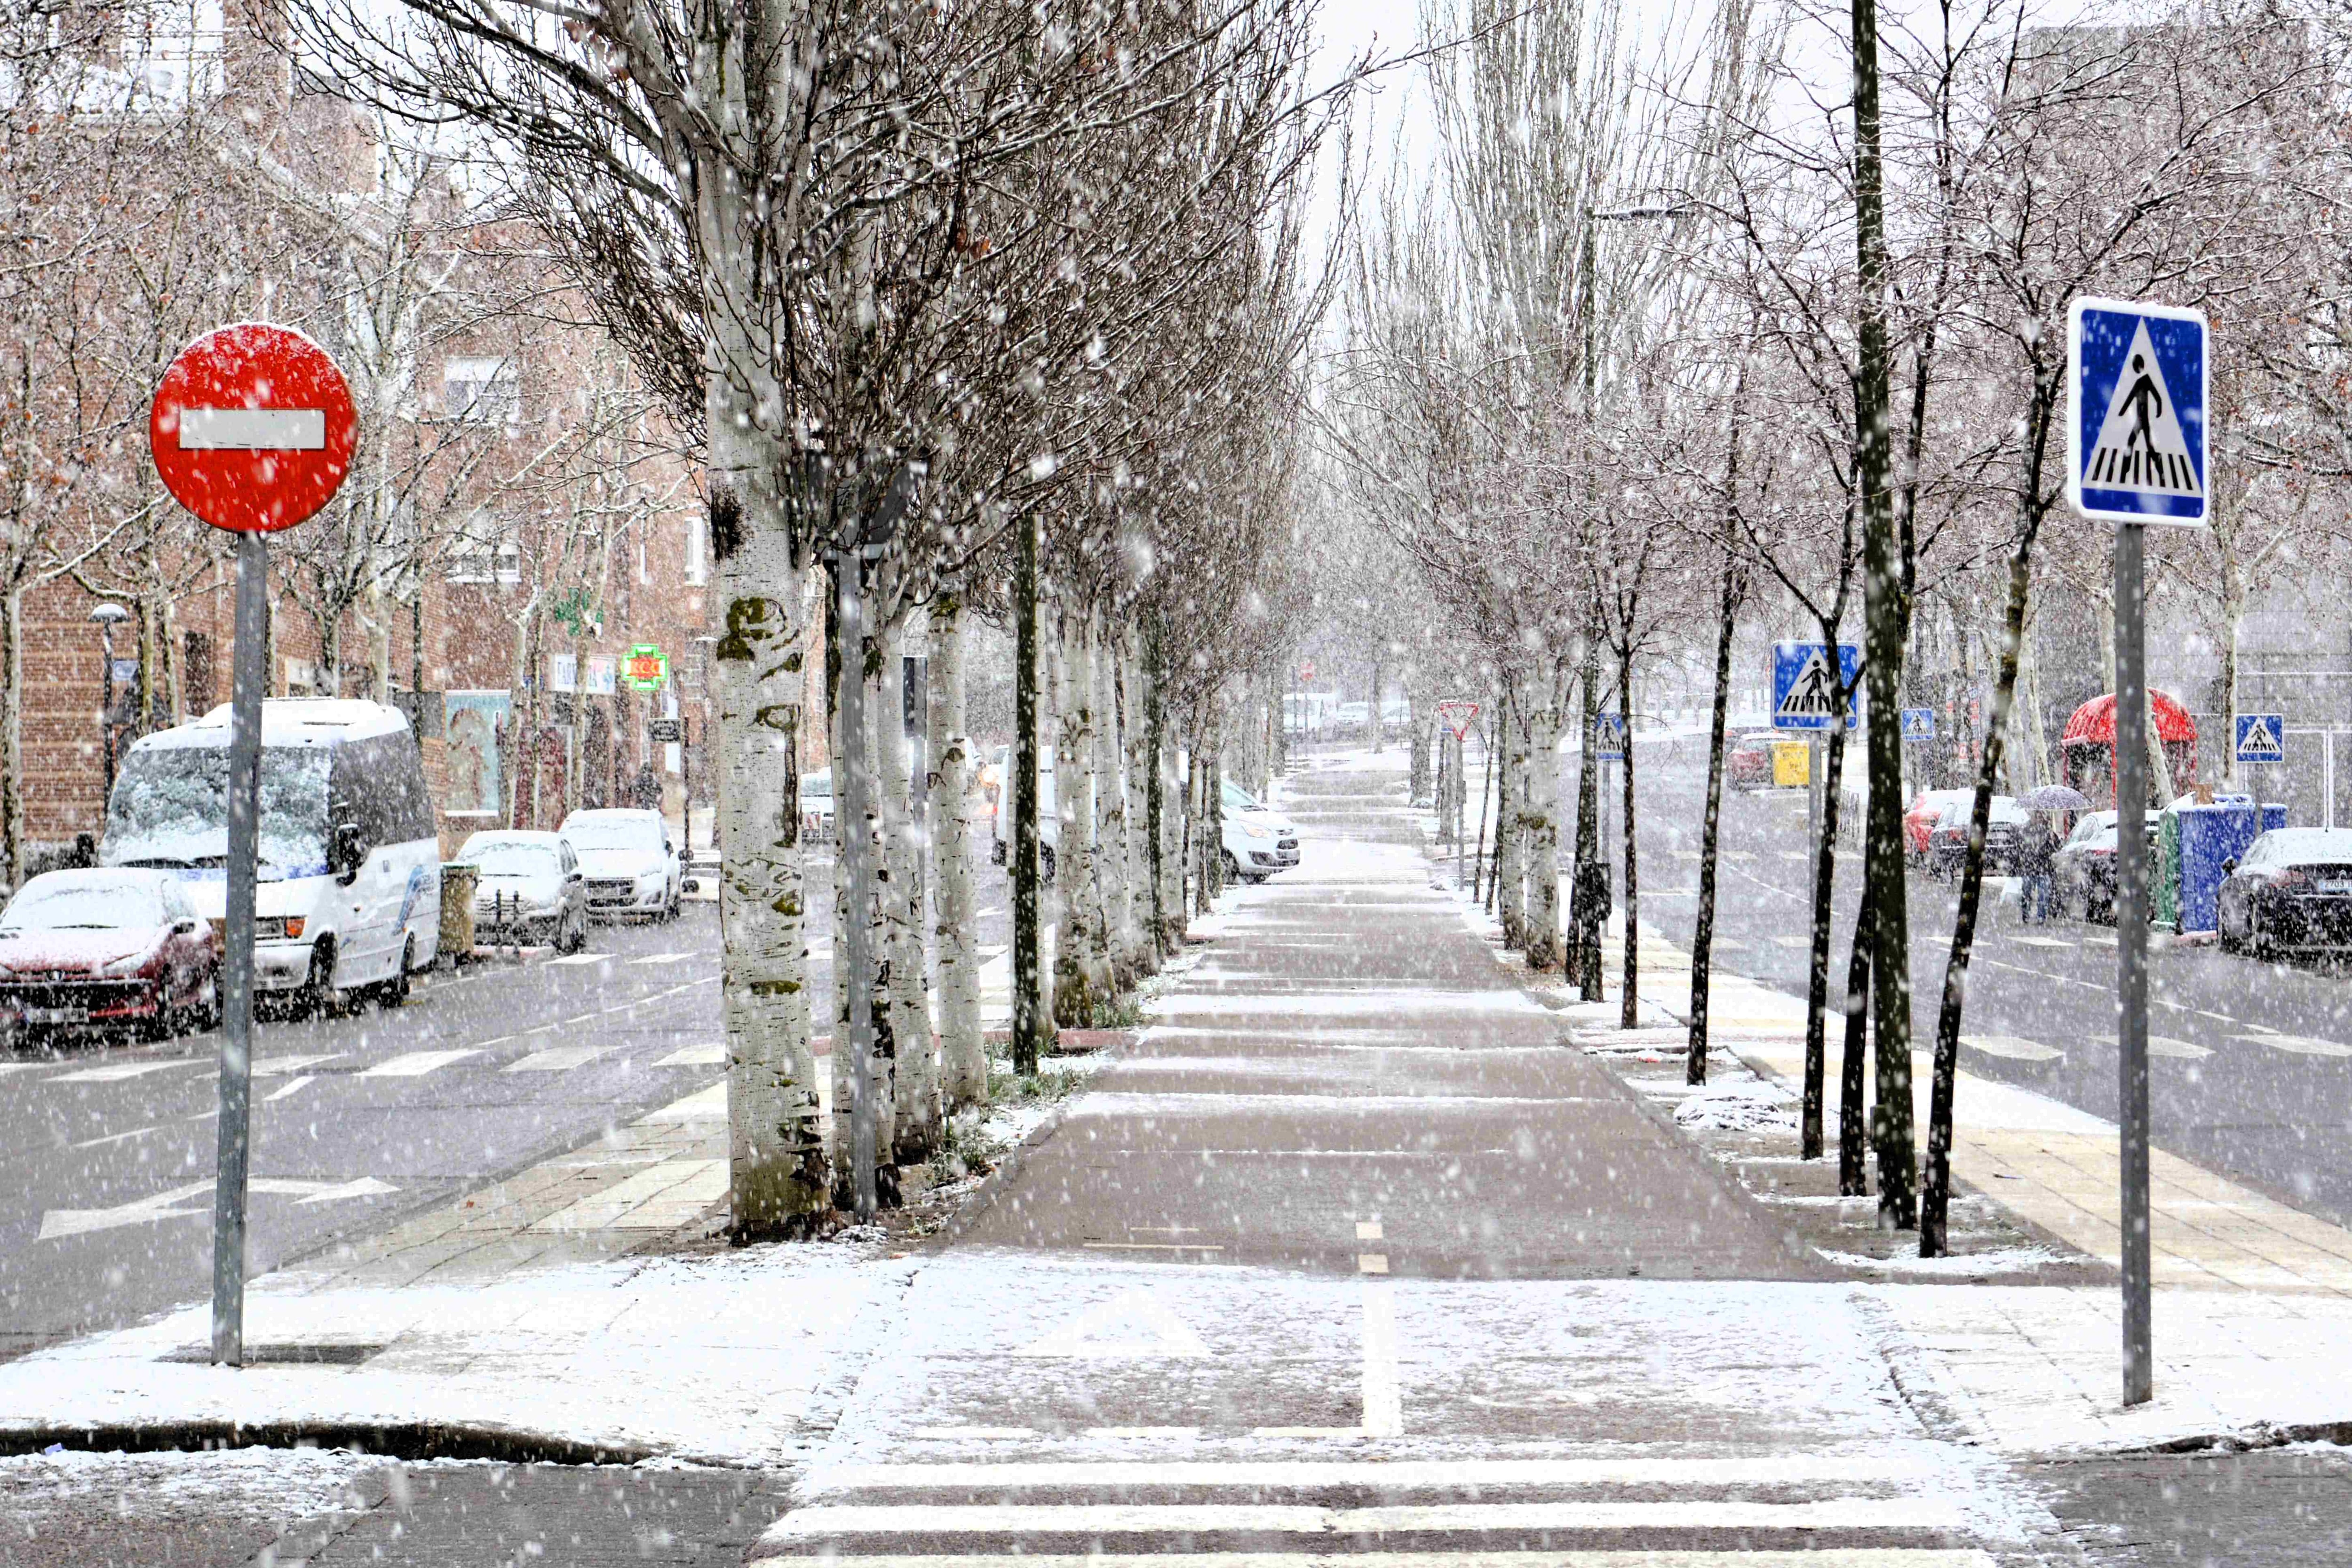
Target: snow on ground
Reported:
[(717, 1358), (1746, 1106), (268, 1484)]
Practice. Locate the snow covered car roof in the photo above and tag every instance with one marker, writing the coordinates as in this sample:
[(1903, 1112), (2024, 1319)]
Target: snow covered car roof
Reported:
[(288, 721)]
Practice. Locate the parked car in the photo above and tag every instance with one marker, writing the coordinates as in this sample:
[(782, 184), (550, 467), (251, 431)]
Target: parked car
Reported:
[(349, 894), (631, 865), (107, 952), (1257, 841), (2291, 891), (1919, 821), (816, 806), (1749, 764), (1000, 810), (1948, 841), (531, 888)]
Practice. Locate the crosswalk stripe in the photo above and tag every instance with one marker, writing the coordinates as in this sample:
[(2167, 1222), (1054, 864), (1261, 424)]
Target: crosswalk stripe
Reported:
[(115, 1072), (559, 1058), (829, 1519), (582, 958), (416, 1064), (661, 958), (1831, 1557), (1390, 1475), (704, 1056)]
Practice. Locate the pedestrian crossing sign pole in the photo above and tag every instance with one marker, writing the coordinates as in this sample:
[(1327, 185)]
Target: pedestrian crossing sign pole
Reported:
[(2138, 381)]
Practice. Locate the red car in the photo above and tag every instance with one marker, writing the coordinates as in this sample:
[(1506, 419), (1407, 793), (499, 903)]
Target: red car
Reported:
[(1920, 820), (1749, 764), (110, 951)]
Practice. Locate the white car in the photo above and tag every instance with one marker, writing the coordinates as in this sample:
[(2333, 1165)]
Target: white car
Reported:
[(531, 884), (629, 863), (1258, 842), (349, 893)]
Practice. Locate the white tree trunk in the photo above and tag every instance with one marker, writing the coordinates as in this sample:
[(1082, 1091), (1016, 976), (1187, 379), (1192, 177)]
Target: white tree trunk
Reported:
[(1114, 856), (1169, 781), (1080, 981), (963, 1053), (779, 1173), (916, 1075), (1510, 843), (1545, 950), (1141, 943)]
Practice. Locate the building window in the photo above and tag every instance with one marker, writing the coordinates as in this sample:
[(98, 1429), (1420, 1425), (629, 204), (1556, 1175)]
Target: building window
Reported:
[(482, 391), (698, 550), (483, 551)]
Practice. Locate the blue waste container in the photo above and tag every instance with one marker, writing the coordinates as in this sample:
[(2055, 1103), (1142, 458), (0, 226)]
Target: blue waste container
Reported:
[(2210, 836)]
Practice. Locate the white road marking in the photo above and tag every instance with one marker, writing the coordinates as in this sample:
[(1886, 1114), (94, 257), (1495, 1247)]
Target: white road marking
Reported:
[(2300, 1045), (416, 1064), (1791, 941), (2011, 1048), (1849, 1557), (710, 1056), (2044, 942), (559, 1058), (660, 958), (1383, 1397), (2164, 1046), (272, 1067), (141, 1131), (582, 958), (1078, 1475), (1371, 1263), (1132, 1323), (1368, 1230), (967, 1433), (115, 1072), (56, 1223), (1143, 1431), (286, 1088), (1298, 1518)]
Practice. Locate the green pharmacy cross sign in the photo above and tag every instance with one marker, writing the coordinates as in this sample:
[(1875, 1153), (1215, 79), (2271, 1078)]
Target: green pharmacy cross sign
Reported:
[(646, 668)]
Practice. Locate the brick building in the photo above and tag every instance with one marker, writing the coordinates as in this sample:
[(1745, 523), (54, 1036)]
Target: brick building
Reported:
[(528, 519)]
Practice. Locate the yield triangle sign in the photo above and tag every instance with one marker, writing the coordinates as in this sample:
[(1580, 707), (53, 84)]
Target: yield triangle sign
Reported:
[(1129, 1324), (2140, 446)]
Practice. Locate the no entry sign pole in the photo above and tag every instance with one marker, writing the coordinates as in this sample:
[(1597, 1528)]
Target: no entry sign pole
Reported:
[(252, 430), (2138, 452), (236, 1146)]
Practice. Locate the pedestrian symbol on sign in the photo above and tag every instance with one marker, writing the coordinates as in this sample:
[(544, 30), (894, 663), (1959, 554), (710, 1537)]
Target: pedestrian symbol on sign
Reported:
[(1806, 685), (2136, 431), (1918, 723), (2262, 737)]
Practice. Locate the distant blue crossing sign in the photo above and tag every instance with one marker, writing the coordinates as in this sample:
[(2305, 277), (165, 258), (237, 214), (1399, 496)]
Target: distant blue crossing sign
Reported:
[(1805, 688), (1609, 738), (2262, 737), (2136, 430), (1918, 723)]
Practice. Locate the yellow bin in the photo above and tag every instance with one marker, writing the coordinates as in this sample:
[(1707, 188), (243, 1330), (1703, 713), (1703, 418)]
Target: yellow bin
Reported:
[(1792, 763)]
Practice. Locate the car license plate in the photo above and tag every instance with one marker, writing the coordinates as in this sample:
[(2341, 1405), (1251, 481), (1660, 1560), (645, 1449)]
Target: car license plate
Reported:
[(57, 1014), (2335, 885)]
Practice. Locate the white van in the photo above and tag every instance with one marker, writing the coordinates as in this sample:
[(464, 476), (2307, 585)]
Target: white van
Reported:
[(349, 892)]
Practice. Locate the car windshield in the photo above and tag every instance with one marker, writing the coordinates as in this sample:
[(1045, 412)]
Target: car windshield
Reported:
[(818, 787), (515, 859), (170, 810), (1239, 799), (78, 906), (612, 833), (2302, 847)]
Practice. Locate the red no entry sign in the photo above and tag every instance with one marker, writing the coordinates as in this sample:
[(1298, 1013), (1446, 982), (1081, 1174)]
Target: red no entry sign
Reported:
[(253, 427)]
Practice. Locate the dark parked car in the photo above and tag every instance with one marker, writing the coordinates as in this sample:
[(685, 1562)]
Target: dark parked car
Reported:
[(107, 952), (2291, 891), (1948, 841)]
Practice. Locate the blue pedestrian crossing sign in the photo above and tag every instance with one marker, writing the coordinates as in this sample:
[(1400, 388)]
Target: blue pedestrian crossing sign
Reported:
[(2262, 737), (1609, 738), (1918, 723), (2135, 434), (1805, 688)]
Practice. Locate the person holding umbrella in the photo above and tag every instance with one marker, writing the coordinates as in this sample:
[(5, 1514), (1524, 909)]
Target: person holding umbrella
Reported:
[(2038, 847)]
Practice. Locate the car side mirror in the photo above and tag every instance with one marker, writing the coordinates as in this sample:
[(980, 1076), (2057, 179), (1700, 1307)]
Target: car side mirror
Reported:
[(2230, 864), (351, 849)]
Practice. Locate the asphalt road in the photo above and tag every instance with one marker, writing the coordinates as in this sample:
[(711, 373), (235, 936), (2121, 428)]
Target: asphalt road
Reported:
[(2253, 1064), (107, 1163)]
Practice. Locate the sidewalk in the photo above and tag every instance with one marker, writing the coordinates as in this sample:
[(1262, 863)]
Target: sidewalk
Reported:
[(2253, 1298)]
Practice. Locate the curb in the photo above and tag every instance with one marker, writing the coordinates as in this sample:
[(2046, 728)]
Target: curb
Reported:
[(392, 1439)]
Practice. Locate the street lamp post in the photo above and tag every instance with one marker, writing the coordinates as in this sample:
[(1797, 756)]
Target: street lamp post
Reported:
[(108, 615)]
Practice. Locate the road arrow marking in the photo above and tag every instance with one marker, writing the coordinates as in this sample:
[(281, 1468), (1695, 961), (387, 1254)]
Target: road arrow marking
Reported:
[(59, 1222), (1129, 1324)]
